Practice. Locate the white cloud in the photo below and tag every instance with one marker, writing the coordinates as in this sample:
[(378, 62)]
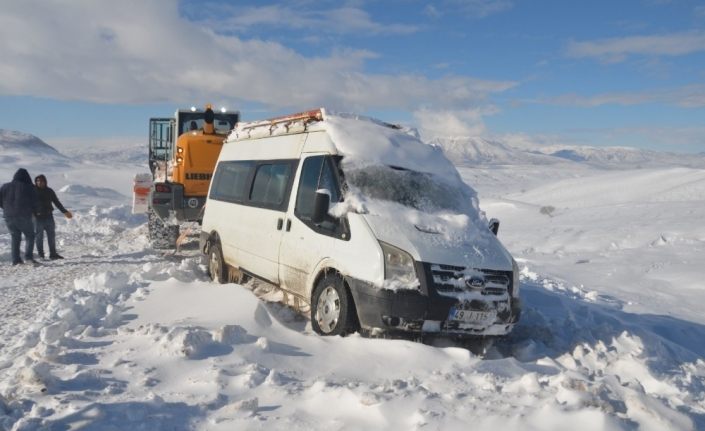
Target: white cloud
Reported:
[(481, 8), (342, 20), (434, 123), (617, 49), (143, 51), (432, 11), (689, 96)]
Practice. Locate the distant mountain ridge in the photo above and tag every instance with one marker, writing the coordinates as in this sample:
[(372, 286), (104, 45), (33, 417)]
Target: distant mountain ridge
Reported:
[(23, 150), (480, 151), (461, 150), (621, 156)]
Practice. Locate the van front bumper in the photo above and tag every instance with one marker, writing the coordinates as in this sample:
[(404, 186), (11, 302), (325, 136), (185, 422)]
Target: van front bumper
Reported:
[(428, 310)]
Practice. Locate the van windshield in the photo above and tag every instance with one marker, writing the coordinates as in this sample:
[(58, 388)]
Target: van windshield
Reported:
[(422, 191)]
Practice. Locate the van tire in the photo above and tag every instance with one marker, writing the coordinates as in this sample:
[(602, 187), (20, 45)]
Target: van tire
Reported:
[(216, 266), (161, 236), (332, 307)]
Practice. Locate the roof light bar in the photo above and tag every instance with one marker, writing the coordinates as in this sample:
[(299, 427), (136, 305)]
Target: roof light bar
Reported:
[(306, 117), (313, 115)]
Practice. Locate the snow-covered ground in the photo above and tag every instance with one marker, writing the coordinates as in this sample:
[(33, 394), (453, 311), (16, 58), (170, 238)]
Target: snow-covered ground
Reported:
[(119, 336)]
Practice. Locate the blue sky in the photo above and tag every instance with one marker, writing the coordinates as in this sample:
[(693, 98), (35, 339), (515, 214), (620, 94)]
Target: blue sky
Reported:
[(628, 72)]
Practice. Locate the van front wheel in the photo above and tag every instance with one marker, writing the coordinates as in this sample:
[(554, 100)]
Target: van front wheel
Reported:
[(332, 307), (216, 267)]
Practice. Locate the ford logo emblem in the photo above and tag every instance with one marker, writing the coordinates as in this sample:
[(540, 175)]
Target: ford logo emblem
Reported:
[(475, 282)]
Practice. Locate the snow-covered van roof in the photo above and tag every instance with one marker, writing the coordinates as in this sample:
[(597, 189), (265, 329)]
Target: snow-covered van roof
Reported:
[(367, 144), (362, 140)]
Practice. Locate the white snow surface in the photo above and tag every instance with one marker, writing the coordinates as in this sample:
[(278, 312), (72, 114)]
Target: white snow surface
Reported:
[(120, 336)]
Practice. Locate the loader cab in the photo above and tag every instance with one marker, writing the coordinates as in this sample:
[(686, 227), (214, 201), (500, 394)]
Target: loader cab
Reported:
[(163, 132), (191, 121)]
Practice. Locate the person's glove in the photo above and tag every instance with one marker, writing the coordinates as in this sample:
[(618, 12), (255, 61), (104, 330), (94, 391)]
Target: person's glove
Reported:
[(68, 214)]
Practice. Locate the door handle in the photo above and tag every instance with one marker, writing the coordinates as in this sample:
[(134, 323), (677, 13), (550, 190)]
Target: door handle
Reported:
[(288, 225), (280, 223)]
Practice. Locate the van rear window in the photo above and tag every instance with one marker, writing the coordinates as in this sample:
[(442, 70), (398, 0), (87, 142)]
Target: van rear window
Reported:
[(230, 182)]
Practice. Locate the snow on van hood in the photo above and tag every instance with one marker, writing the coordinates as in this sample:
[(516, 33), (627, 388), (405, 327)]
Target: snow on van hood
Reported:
[(441, 238), (457, 235)]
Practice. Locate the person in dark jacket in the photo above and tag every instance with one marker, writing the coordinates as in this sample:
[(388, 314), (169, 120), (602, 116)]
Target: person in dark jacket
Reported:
[(44, 217), (18, 201)]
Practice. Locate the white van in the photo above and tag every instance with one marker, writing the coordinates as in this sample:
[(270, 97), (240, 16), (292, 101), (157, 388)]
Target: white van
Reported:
[(363, 222)]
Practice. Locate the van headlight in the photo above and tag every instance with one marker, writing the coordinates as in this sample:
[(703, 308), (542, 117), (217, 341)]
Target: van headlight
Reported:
[(398, 264), (516, 281)]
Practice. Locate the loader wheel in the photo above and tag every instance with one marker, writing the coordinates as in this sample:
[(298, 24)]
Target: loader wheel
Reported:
[(216, 267), (332, 307), (161, 236)]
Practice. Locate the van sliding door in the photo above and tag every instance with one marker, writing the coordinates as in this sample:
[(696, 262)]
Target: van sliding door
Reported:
[(260, 221)]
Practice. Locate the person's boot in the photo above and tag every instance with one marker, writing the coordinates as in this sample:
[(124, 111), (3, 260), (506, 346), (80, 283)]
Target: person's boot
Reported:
[(41, 254), (19, 262), (55, 256)]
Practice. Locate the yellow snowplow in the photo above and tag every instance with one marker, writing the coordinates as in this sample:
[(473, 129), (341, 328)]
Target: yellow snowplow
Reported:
[(183, 151)]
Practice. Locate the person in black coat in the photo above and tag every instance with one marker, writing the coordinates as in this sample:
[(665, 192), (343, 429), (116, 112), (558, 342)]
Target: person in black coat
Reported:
[(18, 201), (44, 217)]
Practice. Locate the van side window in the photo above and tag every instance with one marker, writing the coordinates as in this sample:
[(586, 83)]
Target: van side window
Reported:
[(328, 181), (308, 184), (317, 173), (270, 184), (230, 182)]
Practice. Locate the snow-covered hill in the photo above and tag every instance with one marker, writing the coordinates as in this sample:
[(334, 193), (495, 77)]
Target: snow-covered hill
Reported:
[(620, 157), (102, 170), (116, 151), (17, 147), (474, 151), (14, 141)]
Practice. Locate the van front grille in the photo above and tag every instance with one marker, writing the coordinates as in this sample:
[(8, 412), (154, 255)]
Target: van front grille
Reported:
[(447, 278)]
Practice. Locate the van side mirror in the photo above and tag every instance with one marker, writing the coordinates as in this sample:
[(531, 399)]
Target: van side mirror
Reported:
[(494, 226), (320, 206)]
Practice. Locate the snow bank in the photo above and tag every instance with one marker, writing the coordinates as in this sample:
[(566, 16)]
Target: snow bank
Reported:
[(204, 356), (613, 188), (97, 222)]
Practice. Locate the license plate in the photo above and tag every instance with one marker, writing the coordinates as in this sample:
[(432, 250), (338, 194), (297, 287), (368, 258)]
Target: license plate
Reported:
[(472, 316)]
